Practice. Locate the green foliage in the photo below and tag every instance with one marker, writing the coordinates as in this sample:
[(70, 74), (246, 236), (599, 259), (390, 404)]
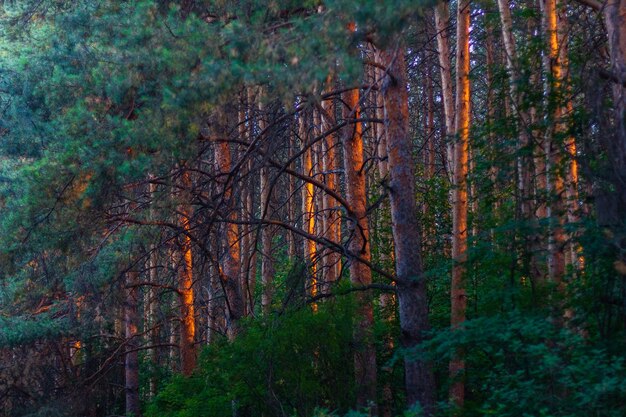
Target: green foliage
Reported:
[(525, 364), (287, 364)]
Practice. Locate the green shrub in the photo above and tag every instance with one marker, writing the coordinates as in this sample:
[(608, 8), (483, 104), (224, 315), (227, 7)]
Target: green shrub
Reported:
[(290, 364)]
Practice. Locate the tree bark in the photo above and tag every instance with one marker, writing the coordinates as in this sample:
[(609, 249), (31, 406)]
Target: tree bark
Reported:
[(267, 265), (331, 208), (151, 299), (411, 284), (131, 359), (442, 21), (359, 243), (459, 214), (615, 21), (555, 181), (308, 210), (523, 160), (230, 264), (247, 245), (185, 277)]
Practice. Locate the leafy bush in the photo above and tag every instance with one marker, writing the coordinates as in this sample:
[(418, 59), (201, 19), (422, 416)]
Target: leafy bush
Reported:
[(522, 364), (289, 364)]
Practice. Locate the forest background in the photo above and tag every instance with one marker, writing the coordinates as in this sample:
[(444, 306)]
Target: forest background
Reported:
[(312, 208)]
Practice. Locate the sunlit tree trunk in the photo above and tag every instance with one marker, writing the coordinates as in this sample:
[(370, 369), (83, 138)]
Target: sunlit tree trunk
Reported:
[(360, 244), (185, 277), (555, 181), (411, 284), (572, 250), (131, 361), (308, 208), (459, 210), (230, 265)]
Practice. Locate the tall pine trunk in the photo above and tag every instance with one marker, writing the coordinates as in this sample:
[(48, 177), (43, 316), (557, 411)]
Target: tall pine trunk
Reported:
[(330, 165), (442, 21), (185, 282), (308, 209), (230, 265), (411, 283), (555, 181), (458, 293), (615, 21), (360, 244)]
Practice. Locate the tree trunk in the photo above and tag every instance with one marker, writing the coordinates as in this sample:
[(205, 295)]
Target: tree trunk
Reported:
[(615, 21), (151, 301), (230, 264), (386, 300), (308, 209), (555, 181), (251, 200), (331, 208), (442, 21), (247, 235), (459, 210), (411, 284), (523, 160), (359, 238), (131, 360), (292, 201), (572, 250), (330, 166), (185, 277), (267, 265)]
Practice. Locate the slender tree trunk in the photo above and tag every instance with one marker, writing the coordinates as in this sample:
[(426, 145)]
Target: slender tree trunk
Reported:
[(318, 200), (247, 238), (411, 284), (442, 21), (386, 300), (251, 198), (267, 265), (555, 181), (151, 302), (615, 21), (331, 208), (217, 313), (491, 111), (459, 214), (359, 238), (572, 249), (291, 204), (429, 160), (231, 262), (131, 361), (185, 277), (523, 160), (308, 209)]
